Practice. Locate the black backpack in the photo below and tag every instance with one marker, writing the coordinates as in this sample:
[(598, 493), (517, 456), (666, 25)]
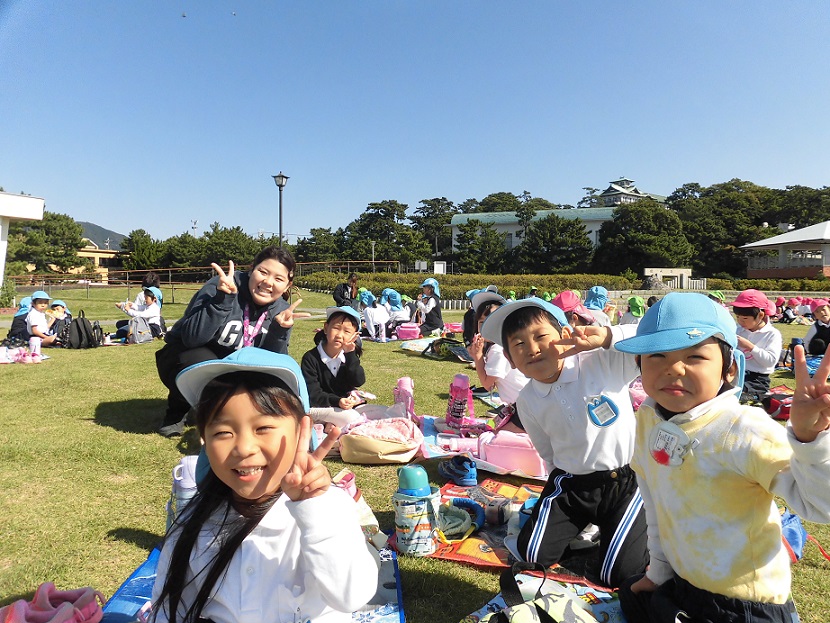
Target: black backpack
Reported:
[(81, 333)]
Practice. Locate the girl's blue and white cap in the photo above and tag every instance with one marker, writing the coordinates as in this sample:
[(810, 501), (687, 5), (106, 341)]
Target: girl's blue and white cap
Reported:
[(485, 296), (680, 320), (155, 292), (491, 329), (40, 294), (192, 380), (350, 311)]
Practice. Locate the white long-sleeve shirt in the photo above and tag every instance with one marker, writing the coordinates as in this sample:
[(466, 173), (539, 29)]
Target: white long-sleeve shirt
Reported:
[(151, 312), (712, 519), (305, 561), (766, 351)]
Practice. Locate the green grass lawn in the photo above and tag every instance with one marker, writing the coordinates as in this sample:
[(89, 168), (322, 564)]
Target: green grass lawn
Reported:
[(84, 477)]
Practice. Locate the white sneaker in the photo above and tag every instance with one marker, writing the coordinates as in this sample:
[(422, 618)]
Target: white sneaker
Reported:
[(586, 539)]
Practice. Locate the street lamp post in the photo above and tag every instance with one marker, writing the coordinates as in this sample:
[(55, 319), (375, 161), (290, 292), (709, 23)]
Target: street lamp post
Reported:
[(280, 180)]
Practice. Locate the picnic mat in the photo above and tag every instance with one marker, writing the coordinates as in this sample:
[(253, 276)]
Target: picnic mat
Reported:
[(430, 449), (418, 345), (604, 604)]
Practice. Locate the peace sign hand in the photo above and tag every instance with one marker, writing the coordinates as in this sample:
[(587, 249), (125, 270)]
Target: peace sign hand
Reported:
[(286, 317), (810, 409), (226, 283), (308, 477)]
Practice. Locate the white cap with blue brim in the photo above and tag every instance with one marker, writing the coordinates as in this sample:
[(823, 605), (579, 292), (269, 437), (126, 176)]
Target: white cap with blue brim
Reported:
[(491, 330), (192, 380)]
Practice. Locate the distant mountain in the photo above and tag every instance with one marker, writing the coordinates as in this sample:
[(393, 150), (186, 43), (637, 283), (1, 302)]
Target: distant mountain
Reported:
[(99, 236)]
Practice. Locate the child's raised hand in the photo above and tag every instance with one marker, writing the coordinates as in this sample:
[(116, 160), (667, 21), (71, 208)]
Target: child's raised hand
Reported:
[(226, 283), (586, 338), (476, 347), (286, 317), (810, 409), (308, 477), (349, 346)]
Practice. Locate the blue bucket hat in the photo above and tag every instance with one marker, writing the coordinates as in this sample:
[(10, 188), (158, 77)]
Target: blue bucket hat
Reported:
[(434, 283), (391, 296), (345, 309), (57, 302), (596, 298), (367, 298), (25, 306), (471, 293), (40, 294), (192, 380), (680, 320), (155, 292), (485, 296), (491, 329)]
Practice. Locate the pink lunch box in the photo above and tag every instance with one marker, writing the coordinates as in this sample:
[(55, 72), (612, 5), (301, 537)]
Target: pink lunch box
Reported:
[(408, 331), (452, 327), (512, 451)]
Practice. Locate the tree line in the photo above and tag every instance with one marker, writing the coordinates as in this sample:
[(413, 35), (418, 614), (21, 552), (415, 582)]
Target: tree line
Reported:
[(701, 227)]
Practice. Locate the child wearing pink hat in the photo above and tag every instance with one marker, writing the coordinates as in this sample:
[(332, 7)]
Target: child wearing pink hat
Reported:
[(577, 314), (760, 342), (818, 336)]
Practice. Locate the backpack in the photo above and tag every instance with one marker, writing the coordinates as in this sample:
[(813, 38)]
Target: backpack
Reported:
[(447, 348), (139, 331), (81, 333)]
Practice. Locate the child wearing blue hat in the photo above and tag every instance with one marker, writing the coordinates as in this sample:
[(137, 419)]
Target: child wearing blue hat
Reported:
[(150, 310), (332, 369), (266, 538), (578, 414), (429, 307), (18, 334), (709, 469), (36, 323)]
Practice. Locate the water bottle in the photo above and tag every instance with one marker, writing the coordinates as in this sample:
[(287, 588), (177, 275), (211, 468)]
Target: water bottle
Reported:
[(183, 489), (416, 512)]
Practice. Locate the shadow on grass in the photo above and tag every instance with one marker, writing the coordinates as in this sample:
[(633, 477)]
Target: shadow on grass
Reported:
[(144, 539), (139, 415), (430, 593)]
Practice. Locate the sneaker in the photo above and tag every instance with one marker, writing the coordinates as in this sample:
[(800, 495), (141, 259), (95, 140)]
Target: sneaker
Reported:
[(480, 391), (172, 430), (460, 469), (586, 539)]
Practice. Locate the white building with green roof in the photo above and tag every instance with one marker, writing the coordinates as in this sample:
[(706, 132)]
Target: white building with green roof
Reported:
[(507, 223)]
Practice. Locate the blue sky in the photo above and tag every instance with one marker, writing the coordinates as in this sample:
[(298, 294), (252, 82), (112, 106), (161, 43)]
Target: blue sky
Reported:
[(129, 115)]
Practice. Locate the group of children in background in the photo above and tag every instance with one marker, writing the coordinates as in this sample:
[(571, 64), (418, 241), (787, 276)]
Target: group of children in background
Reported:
[(38, 324)]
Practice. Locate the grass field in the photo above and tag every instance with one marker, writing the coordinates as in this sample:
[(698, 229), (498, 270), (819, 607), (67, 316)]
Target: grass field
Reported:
[(84, 477)]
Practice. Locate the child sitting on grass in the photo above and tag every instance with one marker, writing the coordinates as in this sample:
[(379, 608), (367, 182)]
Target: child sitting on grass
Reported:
[(36, 323), (709, 469), (760, 342), (429, 307), (577, 411), (332, 369), (266, 538)]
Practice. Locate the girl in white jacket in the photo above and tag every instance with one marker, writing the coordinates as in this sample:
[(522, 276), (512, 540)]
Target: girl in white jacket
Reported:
[(266, 538)]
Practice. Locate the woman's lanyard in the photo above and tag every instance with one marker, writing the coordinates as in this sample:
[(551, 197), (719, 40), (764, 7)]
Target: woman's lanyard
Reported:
[(249, 333)]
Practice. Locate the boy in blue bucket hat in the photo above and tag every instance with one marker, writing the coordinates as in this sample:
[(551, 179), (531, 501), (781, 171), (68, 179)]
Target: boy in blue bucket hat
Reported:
[(709, 469), (578, 414)]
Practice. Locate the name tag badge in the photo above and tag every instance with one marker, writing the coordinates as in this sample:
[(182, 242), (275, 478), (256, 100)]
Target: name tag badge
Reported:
[(669, 444), (602, 411)]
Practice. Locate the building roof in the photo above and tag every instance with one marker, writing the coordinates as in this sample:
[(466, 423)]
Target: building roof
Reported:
[(806, 237), (583, 214)]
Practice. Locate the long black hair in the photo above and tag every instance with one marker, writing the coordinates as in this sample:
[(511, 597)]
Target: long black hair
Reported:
[(270, 396)]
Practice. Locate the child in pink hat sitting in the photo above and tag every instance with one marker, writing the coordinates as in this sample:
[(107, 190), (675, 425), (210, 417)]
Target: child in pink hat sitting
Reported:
[(760, 342)]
